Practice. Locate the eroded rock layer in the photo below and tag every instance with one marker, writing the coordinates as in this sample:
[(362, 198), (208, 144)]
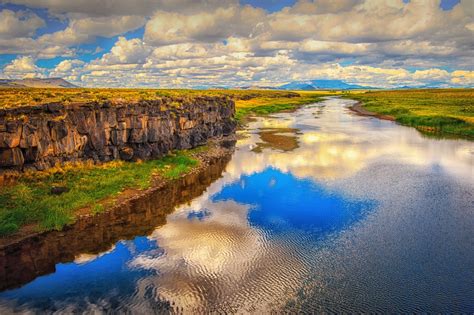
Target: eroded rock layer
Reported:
[(39, 137)]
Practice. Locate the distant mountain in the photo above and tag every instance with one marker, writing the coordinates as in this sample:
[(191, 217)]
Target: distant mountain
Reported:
[(322, 85), (37, 83), (255, 87), (298, 86)]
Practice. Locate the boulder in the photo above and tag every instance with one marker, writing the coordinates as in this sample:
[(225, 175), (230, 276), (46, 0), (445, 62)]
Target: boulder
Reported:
[(58, 190), (126, 153)]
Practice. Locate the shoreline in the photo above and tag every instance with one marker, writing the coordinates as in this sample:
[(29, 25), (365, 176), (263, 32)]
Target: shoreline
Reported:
[(218, 149), (360, 110)]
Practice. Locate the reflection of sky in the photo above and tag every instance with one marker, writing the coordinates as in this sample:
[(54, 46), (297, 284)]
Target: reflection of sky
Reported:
[(95, 278), (284, 204), (256, 236), (336, 145), (231, 253)]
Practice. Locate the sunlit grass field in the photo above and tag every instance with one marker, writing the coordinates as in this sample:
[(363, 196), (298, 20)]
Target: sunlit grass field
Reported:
[(445, 112), (16, 97)]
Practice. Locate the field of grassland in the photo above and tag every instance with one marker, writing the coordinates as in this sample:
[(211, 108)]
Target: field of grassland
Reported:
[(443, 112), (16, 97), (29, 201)]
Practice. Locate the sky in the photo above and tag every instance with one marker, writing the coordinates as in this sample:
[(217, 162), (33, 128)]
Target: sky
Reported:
[(231, 43)]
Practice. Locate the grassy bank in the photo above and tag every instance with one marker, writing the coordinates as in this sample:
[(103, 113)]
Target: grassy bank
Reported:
[(444, 112), (30, 200)]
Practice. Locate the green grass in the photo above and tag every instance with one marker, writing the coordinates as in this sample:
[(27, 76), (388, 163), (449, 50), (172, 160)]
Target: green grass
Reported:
[(441, 112), (241, 113), (29, 201)]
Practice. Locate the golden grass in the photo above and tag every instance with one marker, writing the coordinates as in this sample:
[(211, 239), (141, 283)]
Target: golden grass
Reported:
[(16, 97)]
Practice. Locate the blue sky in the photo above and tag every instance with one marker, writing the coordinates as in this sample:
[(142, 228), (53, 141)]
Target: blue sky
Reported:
[(273, 6), (230, 42)]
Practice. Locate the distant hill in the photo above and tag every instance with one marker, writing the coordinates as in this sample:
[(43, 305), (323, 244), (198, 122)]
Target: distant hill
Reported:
[(37, 83), (432, 85), (322, 85)]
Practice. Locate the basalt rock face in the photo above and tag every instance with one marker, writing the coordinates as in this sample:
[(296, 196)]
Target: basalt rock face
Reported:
[(39, 137)]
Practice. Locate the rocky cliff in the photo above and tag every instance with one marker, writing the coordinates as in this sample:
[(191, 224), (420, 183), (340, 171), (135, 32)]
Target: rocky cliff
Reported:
[(38, 137)]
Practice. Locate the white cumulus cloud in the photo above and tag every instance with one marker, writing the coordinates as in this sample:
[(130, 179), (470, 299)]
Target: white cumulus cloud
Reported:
[(18, 24)]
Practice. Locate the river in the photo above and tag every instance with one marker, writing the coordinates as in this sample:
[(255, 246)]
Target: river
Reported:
[(319, 210)]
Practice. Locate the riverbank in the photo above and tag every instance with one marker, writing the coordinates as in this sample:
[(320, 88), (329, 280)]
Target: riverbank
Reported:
[(359, 109), (137, 213), (30, 207), (437, 112)]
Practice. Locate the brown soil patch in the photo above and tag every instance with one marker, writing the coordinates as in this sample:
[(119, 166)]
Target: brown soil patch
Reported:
[(284, 139)]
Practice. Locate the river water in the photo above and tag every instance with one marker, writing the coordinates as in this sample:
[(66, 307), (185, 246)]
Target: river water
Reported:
[(318, 210)]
